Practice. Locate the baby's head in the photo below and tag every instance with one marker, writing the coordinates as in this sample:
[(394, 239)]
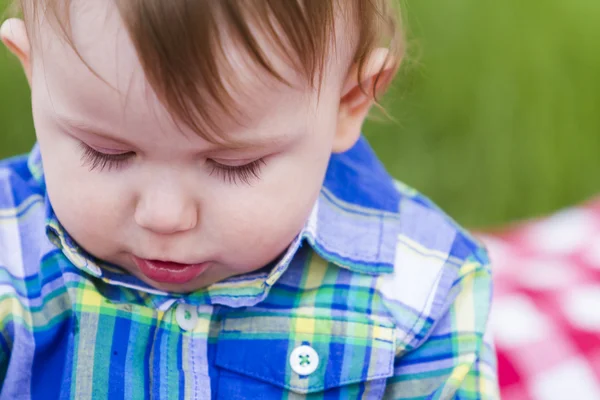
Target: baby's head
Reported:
[(197, 131)]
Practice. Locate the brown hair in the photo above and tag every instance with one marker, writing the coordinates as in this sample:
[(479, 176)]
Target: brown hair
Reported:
[(180, 67)]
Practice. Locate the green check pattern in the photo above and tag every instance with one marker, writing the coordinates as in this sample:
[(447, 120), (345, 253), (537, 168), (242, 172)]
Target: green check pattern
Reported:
[(388, 291)]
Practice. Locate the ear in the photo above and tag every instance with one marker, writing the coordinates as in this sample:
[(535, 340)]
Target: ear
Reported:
[(14, 36), (356, 102)]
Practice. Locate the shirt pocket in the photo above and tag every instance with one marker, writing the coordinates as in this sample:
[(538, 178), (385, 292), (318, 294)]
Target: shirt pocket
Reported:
[(262, 357)]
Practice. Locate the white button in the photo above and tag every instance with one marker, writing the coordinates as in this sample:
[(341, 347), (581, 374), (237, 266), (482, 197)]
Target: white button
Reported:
[(186, 316), (304, 360)]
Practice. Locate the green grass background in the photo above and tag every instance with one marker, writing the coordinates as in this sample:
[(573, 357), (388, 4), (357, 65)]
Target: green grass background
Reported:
[(497, 109)]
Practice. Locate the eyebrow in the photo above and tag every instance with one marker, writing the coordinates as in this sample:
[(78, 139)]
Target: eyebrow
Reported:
[(83, 126)]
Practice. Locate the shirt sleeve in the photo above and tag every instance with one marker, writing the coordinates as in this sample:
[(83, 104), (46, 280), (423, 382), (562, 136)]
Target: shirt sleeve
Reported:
[(456, 359), (5, 336)]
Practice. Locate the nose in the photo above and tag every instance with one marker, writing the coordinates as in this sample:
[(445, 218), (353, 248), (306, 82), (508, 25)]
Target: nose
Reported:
[(166, 210)]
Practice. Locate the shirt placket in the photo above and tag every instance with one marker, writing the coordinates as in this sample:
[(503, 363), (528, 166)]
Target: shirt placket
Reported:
[(184, 351)]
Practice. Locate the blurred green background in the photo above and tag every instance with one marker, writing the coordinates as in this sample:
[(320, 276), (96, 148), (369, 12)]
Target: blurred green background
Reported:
[(497, 109)]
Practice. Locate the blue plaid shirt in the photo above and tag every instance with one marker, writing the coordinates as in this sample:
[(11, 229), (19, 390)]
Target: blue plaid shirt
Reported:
[(381, 296)]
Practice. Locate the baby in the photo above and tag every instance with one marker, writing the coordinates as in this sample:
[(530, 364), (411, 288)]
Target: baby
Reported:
[(201, 218)]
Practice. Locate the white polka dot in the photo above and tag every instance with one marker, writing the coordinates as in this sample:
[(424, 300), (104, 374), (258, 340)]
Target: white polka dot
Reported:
[(545, 274), (571, 379), (591, 254), (562, 233), (515, 321), (582, 307)]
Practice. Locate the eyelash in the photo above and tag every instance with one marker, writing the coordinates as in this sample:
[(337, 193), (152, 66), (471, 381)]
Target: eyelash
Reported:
[(243, 173), (230, 174), (101, 161)]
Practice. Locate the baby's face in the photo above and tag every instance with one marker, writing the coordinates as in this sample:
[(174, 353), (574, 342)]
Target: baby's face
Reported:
[(129, 185)]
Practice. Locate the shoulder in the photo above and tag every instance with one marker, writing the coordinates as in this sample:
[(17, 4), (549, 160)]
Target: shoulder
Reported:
[(17, 185), (425, 226), (21, 219), (433, 256)]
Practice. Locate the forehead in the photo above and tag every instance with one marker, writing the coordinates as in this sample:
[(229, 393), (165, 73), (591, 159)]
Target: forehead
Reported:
[(105, 77)]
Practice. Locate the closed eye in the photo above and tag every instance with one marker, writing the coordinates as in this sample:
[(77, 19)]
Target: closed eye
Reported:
[(96, 160), (240, 173)]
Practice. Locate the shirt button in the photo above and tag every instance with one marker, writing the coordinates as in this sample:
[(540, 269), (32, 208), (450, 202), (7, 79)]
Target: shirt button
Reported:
[(186, 316), (304, 360)]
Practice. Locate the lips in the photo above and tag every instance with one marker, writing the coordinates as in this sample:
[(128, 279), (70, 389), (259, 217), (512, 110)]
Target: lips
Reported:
[(169, 272)]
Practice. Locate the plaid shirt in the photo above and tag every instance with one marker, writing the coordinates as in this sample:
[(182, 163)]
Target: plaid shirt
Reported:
[(380, 296)]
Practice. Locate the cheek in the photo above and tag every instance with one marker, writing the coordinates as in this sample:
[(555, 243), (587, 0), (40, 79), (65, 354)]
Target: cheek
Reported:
[(281, 203), (81, 201), (261, 223), (257, 237), (80, 210)]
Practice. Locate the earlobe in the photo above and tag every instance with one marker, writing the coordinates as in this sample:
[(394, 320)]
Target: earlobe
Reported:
[(356, 101), (14, 36)]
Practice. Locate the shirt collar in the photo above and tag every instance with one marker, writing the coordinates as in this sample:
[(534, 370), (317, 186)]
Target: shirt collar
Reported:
[(356, 220), (354, 224)]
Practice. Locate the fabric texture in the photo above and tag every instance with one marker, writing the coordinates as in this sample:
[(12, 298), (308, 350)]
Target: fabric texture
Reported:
[(391, 294), (546, 313)]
